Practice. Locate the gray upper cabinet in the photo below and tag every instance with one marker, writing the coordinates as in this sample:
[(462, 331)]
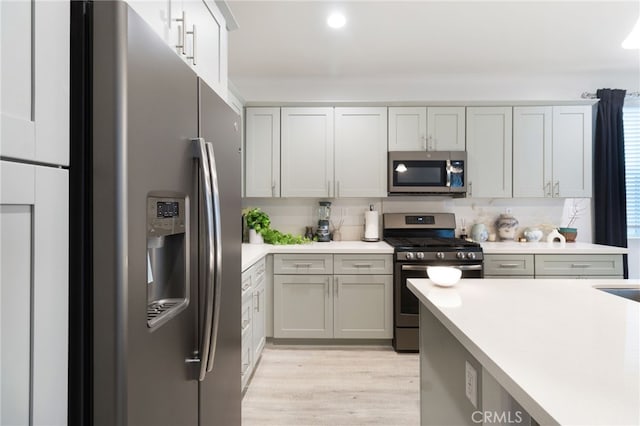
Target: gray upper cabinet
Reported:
[(489, 150), (360, 152), (552, 154), (426, 129), (307, 152), (262, 152)]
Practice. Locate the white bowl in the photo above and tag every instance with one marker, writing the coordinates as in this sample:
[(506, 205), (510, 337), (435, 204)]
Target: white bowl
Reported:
[(444, 276)]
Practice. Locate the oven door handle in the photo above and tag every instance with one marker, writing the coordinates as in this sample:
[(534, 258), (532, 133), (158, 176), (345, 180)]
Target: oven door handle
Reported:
[(424, 267)]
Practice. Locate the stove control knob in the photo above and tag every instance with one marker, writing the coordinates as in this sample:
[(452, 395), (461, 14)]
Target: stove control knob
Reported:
[(460, 255), (420, 255), (471, 256), (410, 256), (439, 255)]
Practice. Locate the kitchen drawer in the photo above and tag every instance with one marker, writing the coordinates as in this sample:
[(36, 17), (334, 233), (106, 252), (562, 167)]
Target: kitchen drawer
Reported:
[(246, 360), (303, 264), (371, 264), (579, 265), (508, 264), (247, 311)]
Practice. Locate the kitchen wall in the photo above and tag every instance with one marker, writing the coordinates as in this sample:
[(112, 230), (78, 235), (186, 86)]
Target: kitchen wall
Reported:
[(293, 214)]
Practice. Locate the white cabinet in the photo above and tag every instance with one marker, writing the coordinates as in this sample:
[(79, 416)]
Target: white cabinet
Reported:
[(196, 30), (426, 129), (552, 151), (489, 152), (363, 306), (206, 43), (360, 152), (303, 306), (35, 81), (356, 303), (253, 318), (262, 152), (33, 293), (307, 152)]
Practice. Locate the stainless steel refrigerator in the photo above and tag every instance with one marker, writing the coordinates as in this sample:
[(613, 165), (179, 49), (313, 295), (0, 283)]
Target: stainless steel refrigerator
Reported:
[(156, 238)]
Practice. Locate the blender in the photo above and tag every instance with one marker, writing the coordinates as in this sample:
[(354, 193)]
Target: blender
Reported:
[(324, 214)]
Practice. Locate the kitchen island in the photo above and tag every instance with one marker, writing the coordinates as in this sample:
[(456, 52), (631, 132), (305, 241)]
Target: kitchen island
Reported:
[(557, 350)]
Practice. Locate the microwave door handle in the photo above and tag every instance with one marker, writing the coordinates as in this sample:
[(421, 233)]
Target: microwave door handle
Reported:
[(217, 281), (200, 152), (448, 173)]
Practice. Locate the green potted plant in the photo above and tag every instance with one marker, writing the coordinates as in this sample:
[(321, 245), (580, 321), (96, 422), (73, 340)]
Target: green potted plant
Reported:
[(258, 222)]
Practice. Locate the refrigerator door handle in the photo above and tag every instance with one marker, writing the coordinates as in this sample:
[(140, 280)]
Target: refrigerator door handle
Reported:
[(217, 282), (200, 152)]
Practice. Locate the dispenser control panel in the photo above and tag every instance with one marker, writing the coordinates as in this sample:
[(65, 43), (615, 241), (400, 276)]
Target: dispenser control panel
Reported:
[(165, 216)]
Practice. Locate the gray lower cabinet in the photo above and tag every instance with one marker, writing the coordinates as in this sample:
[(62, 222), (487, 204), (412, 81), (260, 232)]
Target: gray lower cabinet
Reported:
[(363, 306), (356, 302), (580, 266), (553, 266), (303, 306), (508, 265)]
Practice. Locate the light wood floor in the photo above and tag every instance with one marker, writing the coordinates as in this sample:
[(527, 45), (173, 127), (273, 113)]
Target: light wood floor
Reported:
[(303, 385)]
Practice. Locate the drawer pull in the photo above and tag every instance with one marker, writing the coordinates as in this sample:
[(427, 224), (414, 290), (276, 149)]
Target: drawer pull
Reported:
[(509, 265), (245, 367), (580, 265), (362, 265), (302, 265), (245, 323)]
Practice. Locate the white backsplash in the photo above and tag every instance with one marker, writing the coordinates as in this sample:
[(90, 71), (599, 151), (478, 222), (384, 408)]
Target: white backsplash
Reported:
[(293, 214)]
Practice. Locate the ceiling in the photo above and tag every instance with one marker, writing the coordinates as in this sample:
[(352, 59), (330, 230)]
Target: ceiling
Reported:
[(286, 46)]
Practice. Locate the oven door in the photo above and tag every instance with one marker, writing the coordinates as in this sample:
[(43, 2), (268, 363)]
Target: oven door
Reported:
[(407, 305)]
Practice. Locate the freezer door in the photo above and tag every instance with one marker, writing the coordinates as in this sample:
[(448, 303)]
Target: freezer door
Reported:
[(220, 393), (145, 114)]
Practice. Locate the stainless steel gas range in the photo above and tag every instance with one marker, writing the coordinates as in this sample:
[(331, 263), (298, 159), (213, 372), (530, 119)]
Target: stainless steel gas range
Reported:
[(421, 240)]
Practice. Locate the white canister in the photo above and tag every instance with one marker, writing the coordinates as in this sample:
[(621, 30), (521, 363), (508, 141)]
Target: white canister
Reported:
[(255, 238)]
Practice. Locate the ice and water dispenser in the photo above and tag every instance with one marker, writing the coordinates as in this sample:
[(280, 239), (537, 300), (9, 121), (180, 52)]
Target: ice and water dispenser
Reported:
[(167, 258)]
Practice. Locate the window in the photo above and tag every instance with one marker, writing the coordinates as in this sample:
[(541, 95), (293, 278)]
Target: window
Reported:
[(631, 118)]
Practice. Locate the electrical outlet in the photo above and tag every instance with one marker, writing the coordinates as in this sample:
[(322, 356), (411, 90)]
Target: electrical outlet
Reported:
[(471, 383)]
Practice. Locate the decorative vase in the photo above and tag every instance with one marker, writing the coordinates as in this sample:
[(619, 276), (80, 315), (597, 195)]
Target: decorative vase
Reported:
[(532, 235), (569, 233), (479, 232), (555, 235), (255, 238), (507, 225)]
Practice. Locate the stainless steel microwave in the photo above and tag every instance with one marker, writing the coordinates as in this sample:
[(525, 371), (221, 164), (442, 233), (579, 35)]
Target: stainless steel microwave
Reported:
[(427, 172)]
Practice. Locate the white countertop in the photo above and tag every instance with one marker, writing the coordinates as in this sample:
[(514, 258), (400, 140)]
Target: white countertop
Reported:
[(251, 253), (512, 247), (569, 353)]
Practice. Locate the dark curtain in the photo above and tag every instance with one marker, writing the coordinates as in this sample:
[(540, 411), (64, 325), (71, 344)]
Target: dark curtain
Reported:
[(610, 199)]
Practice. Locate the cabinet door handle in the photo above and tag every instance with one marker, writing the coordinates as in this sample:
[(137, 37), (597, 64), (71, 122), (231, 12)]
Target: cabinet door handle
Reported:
[(362, 265), (556, 189), (580, 265), (470, 191), (337, 284), (509, 265), (424, 142), (273, 188), (430, 147), (194, 47), (547, 189), (181, 33)]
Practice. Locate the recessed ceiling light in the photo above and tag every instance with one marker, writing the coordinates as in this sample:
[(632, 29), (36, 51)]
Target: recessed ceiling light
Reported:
[(336, 20)]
